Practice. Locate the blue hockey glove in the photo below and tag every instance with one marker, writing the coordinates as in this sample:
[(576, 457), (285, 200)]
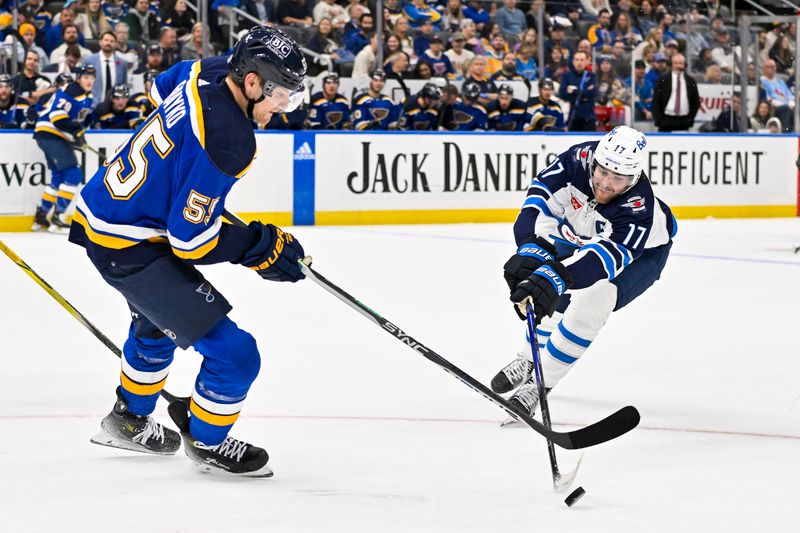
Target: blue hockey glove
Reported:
[(528, 258), (276, 254), (542, 290)]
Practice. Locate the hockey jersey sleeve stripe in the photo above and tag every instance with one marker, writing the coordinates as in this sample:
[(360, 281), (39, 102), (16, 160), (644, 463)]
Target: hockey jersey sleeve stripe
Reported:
[(571, 337), (196, 107), (140, 389), (211, 418), (627, 257), (120, 232), (558, 354), (200, 240), (198, 252), (605, 257), (540, 204), (43, 126)]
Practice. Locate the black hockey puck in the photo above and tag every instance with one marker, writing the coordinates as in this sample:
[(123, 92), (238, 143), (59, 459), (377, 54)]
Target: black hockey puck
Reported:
[(574, 496)]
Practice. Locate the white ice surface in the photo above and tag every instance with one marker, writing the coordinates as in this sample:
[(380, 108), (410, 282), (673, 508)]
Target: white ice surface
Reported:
[(365, 435)]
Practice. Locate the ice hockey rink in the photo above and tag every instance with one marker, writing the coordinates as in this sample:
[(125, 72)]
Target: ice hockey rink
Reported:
[(365, 435)]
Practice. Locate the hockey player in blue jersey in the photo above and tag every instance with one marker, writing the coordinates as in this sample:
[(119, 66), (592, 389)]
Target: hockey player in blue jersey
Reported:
[(544, 112), (153, 212), (373, 110), (465, 113), (420, 112), (59, 132), (118, 112), (507, 113), (592, 237), (143, 99), (12, 111), (329, 110)]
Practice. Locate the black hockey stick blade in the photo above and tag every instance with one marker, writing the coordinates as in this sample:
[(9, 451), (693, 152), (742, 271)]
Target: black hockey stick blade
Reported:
[(99, 335)]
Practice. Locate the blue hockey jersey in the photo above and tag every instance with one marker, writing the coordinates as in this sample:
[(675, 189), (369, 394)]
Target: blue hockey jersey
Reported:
[(413, 117), (461, 116), (603, 239), (324, 114), (168, 182), (514, 118), (105, 117), (65, 113), (374, 113), (13, 115), (545, 116)]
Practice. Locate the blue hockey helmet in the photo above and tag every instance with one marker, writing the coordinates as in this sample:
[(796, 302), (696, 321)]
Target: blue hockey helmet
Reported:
[(276, 58)]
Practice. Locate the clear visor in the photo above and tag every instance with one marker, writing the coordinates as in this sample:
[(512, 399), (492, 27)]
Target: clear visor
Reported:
[(284, 99)]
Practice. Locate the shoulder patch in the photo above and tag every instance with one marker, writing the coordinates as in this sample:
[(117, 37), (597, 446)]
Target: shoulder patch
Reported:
[(636, 204)]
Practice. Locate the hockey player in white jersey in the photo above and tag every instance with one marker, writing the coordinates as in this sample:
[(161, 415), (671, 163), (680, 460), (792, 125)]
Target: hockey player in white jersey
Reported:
[(591, 238)]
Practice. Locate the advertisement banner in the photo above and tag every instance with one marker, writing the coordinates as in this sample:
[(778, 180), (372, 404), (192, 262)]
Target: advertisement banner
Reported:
[(397, 178), (716, 97)]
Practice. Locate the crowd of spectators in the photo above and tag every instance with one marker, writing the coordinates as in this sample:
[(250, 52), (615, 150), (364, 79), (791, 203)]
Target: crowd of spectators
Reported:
[(601, 57)]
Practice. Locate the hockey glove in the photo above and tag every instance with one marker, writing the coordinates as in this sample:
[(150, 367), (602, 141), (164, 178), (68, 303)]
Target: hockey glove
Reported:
[(542, 290), (79, 140), (276, 254), (528, 258)]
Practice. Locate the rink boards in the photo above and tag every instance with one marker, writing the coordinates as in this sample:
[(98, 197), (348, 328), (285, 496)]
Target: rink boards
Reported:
[(393, 178)]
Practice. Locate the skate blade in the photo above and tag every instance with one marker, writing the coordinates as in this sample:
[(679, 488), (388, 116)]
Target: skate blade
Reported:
[(106, 440), (38, 227), (58, 231), (263, 472)]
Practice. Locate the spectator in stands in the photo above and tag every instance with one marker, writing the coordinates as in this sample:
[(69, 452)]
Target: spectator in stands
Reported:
[(125, 49), (458, 55), (26, 40), (111, 70), (578, 87), (557, 41), (452, 16), (181, 19), (761, 115), (695, 40), (703, 61), (781, 53), (670, 49), (53, 36), (599, 34), (508, 71), (712, 75), (665, 20), (644, 93), (143, 25), (511, 19), (626, 7), (423, 40), (294, 13), (647, 16), (774, 125), (556, 66), (69, 35), (526, 64), (365, 61), (29, 85), (396, 69), (419, 13), (624, 31), (471, 40), (68, 64), (530, 37), (730, 121), (329, 110), (659, 69), (593, 7), (391, 45), (329, 9), (675, 98), (357, 39), (723, 51), (326, 41), (420, 112), (531, 15), (193, 48), (442, 67), (354, 12), (402, 30), (170, 50), (611, 90), (96, 22), (266, 12), (586, 47), (154, 60), (115, 10), (423, 70), (37, 14), (622, 60), (654, 38), (495, 52), (474, 11), (394, 8), (777, 93), (476, 72)]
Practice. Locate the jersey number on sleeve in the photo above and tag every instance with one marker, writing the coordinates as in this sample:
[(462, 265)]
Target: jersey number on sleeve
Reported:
[(629, 236), (122, 186)]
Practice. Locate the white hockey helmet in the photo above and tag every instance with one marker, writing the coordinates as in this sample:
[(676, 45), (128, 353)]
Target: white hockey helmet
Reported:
[(621, 150)]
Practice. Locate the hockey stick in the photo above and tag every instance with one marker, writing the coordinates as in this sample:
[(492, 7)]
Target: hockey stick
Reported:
[(607, 429), (74, 312), (561, 483)]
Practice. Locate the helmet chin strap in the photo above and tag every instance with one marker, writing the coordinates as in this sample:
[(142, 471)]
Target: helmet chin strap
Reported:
[(251, 103)]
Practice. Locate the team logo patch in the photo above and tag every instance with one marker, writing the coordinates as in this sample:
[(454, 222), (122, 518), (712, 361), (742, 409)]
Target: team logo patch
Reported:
[(636, 203), (206, 289), (575, 203), (280, 46)]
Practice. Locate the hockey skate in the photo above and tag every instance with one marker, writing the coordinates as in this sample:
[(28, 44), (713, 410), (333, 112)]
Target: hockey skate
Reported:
[(232, 456), (125, 430), (40, 220), (526, 399), (513, 375), (59, 224)]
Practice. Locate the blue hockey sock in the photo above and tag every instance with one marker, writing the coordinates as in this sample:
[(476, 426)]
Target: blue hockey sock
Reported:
[(145, 366)]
